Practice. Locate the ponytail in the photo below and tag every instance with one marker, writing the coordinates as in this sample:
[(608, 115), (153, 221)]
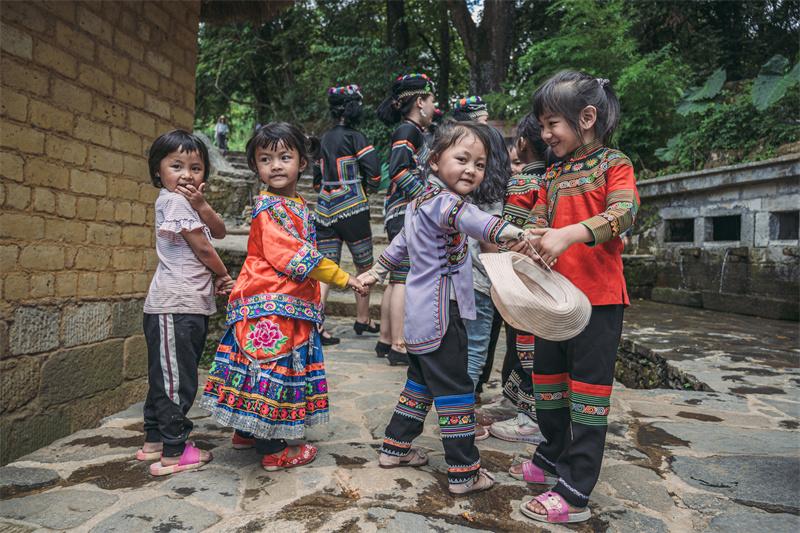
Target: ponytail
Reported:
[(389, 111), (569, 92)]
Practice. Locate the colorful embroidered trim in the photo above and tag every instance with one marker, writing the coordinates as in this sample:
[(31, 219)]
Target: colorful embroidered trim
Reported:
[(415, 401), (470, 103), (459, 474), (589, 404), (394, 447), (518, 396), (456, 415), (303, 262), (550, 391), (347, 89), (272, 304), (274, 400)]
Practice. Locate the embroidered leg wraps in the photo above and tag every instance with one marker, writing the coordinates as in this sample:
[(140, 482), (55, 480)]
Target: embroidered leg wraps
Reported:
[(572, 384), (408, 418)]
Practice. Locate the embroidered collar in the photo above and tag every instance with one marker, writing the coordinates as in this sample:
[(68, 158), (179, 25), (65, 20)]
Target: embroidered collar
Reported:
[(586, 150), (437, 182), (533, 168)]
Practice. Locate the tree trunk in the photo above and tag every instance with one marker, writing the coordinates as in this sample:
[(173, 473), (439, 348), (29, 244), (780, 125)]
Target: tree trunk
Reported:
[(444, 58), (487, 46), (396, 28)]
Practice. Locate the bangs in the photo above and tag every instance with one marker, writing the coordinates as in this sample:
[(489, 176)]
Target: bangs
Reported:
[(276, 135), (554, 97), (175, 141)]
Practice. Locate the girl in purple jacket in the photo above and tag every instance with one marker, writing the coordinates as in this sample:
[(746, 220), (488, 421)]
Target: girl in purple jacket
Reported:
[(434, 239)]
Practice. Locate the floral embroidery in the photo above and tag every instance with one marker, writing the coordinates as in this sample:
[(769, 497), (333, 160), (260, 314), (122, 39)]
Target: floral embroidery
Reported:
[(303, 262), (266, 336), (272, 304)]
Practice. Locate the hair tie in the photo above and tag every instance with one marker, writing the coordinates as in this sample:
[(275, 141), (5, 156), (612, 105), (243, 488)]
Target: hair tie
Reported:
[(603, 82)]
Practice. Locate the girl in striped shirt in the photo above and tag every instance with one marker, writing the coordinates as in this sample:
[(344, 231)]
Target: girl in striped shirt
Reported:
[(180, 299)]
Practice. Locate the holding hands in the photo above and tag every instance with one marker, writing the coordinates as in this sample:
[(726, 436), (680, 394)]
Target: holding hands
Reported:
[(367, 279), (223, 284), (356, 284)]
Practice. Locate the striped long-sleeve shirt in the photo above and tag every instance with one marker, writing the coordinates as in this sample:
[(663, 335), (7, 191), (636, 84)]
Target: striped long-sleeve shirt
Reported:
[(595, 187), (348, 166), (408, 157)]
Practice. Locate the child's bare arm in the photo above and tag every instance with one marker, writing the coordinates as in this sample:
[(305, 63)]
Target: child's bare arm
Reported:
[(207, 255), (207, 214)]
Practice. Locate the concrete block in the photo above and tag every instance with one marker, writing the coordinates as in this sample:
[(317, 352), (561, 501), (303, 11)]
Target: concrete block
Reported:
[(85, 323), (88, 412), (35, 329), (3, 339), (761, 229), (752, 305), (126, 317), (79, 372), (677, 297), (19, 381), (22, 435), (135, 357)]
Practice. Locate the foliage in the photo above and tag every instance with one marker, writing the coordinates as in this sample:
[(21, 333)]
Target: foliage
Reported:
[(649, 90), (733, 130), (771, 84), (692, 75)]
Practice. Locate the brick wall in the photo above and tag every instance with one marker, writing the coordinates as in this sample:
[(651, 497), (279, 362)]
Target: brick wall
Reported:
[(86, 87)]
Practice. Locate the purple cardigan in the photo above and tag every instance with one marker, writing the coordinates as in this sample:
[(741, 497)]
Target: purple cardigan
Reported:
[(434, 239)]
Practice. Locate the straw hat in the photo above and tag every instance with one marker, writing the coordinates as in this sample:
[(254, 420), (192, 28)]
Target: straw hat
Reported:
[(534, 298)]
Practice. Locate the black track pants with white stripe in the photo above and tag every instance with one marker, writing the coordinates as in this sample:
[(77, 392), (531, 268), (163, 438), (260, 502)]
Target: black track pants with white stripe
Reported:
[(174, 346)]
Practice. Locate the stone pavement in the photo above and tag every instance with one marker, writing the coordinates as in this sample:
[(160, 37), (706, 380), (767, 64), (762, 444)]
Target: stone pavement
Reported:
[(675, 461)]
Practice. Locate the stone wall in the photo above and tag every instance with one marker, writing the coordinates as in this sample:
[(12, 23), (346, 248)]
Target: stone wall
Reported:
[(86, 87), (723, 239)]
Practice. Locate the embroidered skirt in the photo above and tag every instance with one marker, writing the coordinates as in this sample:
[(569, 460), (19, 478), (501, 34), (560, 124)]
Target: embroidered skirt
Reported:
[(274, 401)]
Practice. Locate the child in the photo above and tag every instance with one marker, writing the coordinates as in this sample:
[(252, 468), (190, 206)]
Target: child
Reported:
[(521, 194), (348, 165), (590, 198), (516, 163), (411, 102), (180, 299), (268, 377), (488, 196), (439, 295)]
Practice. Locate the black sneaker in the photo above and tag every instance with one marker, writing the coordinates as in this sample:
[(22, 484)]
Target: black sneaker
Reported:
[(397, 358)]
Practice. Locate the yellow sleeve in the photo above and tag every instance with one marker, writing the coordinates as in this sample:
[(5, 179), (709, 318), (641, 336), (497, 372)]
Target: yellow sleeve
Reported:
[(327, 271)]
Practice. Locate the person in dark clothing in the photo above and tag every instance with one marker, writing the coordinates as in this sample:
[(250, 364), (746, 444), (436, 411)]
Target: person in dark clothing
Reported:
[(348, 171)]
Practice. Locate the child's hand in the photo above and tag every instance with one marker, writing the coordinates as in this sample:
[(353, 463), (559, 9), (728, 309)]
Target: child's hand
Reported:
[(355, 284), (367, 279), (518, 245), (193, 194), (223, 285), (551, 243)]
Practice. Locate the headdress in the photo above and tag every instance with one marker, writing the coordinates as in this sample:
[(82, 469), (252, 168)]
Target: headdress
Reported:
[(473, 106), (415, 84), (338, 96)]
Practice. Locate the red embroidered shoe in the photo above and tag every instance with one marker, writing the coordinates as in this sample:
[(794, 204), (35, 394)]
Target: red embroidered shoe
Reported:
[(242, 443), (302, 455)]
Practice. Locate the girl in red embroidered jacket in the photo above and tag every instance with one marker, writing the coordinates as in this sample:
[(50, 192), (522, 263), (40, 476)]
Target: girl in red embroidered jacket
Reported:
[(590, 198), (268, 376)]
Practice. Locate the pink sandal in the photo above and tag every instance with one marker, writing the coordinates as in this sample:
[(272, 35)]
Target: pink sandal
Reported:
[(557, 509), (533, 474), (190, 460), (273, 461), (142, 455)]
